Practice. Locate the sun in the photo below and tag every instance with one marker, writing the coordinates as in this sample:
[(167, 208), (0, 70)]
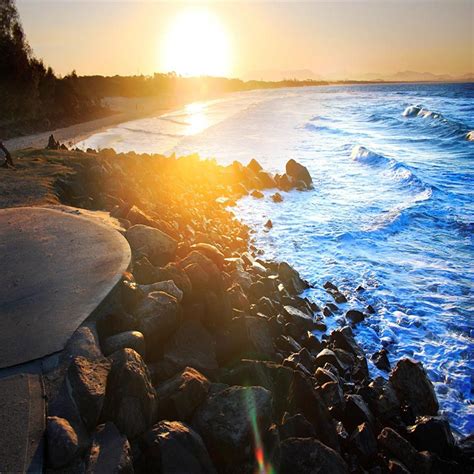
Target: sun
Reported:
[(196, 44)]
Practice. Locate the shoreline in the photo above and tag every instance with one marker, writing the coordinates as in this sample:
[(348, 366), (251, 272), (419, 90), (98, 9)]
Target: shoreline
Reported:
[(126, 110), (209, 323)]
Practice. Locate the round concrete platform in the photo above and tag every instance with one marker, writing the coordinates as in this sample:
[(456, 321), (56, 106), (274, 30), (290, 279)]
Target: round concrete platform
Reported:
[(57, 268)]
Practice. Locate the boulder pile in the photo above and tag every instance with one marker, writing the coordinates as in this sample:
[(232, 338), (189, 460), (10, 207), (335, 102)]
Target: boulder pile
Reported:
[(210, 362)]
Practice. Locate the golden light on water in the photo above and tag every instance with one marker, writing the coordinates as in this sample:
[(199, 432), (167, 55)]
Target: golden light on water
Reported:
[(196, 44), (196, 118)]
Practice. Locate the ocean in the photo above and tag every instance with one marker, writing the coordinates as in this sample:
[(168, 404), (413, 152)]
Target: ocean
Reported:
[(392, 208)]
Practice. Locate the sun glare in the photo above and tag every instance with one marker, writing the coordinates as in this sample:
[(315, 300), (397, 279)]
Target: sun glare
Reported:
[(196, 45)]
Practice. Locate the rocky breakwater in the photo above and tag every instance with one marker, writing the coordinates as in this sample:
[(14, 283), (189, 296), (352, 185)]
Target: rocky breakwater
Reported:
[(209, 362)]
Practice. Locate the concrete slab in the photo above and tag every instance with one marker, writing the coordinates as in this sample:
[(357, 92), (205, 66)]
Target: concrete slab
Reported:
[(57, 268), (22, 423)]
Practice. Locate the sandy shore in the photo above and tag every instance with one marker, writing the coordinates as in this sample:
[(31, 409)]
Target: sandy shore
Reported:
[(126, 109)]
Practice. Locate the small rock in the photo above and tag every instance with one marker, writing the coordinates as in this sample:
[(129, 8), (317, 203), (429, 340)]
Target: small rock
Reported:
[(380, 359), (130, 399), (277, 197), (309, 456), (355, 316), (291, 278), (414, 388), (62, 441), (131, 339), (147, 241), (298, 172), (182, 394), (296, 426), (269, 224), (225, 422), (192, 346), (110, 452), (211, 252), (254, 165), (257, 194), (174, 447), (168, 286), (363, 443), (88, 380), (397, 446), (433, 433)]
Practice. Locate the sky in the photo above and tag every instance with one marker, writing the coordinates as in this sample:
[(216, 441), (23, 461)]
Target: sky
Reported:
[(333, 39)]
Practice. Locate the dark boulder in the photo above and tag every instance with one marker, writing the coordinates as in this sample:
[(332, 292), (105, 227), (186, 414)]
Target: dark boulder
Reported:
[(296, 426), (158, 317), (432, 433), (87, 381), (109, 453), (310, 456), (192, 346), (62, 442), (380, 360), (152, 243), (172, 447), (298, 172), (355, 316), (363, 443), (130, 400), (396, 446), (181, 395), (291, 278), (414, 388), (225, 422), (131, 339), (357, 412)]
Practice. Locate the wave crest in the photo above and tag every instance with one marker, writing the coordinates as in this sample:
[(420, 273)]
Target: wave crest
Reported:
[(420, 111)]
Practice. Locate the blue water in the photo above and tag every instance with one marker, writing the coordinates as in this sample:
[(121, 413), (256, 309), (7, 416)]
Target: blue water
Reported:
[(392, 209)]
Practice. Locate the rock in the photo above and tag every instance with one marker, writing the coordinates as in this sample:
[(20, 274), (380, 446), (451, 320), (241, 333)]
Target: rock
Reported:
[(136, 216), (276, 197), (260, 337), (413, 387), (363, 443), (144, 271), (255, 166), (323, 376), (380, 359), (257, 194), (328, 356), (302, 398), (88, 381), (297, 317), (109, 324), (225, 423), (158, 318), (130, 399), (211, 252), (131, 339), (110, 452), (172, 447), (357, 412), (62, 442), (52, 143), (84, 342), (182, 394), (309, 456), (291, 278), (178, 276), (147, 241), (266, 179), (298, 173), (269, 224), (397, 446), (355, 316), (192, 346), (432, 433), (333, 396), (296, 426), (385, 403), (168, 286), (395, 467)]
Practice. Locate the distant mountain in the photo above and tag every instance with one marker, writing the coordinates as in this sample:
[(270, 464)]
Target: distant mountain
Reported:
[(279, 75), (415, 76)]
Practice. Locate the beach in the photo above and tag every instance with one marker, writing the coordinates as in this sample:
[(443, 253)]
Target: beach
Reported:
[(205, 325)]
